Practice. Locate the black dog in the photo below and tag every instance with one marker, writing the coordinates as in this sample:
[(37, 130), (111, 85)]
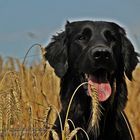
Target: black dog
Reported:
[(100, 53)]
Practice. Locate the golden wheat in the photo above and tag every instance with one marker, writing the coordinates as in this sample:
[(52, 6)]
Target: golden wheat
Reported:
[(95, 113), (30, 103)]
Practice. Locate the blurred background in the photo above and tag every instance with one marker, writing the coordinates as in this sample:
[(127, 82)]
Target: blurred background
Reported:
[(23, 23)]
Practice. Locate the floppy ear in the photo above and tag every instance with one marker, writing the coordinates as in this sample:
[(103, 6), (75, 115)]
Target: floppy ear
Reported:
[(56, 54), (129, 56)]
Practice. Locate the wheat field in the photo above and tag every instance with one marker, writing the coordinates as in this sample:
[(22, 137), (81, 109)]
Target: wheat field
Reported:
[(29, 101)]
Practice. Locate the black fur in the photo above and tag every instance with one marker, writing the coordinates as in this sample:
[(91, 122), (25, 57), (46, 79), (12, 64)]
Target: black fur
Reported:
[(74, 52)]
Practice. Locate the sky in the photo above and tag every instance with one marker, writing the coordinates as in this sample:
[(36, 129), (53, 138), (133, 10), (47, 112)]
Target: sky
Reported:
[(25, 22)]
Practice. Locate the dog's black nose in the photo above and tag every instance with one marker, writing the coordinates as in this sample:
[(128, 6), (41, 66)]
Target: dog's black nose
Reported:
[(101, 53)]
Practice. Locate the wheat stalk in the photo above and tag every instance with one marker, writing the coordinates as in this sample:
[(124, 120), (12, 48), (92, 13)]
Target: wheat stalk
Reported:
[(74, 132), (9, 109), (54, 135), (34, 45), (47, 116), (43, 52), (69, 120), (67, 129), (95, 113), (70, 102), (31, 124), (68, 110), (53, 107)]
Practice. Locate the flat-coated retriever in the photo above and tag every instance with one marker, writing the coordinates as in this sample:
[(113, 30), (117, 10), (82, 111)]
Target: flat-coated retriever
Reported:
[(100, 53)]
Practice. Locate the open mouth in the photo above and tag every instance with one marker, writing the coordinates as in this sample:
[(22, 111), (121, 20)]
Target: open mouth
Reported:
[(99, 80)]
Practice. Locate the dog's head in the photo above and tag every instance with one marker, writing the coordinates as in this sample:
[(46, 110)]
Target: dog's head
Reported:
[(96, 50)]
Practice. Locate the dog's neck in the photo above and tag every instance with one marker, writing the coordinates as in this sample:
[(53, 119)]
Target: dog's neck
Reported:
[(82, 103)]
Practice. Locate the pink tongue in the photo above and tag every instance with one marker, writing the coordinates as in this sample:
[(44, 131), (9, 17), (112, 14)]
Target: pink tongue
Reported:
[(103, 88)]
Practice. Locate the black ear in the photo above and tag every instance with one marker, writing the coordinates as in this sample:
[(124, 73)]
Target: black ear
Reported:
[(56, 54), (129, 56)]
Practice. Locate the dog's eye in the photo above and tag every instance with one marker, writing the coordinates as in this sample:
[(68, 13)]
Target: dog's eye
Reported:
[(85, 35), (81, 38), (109, 36)]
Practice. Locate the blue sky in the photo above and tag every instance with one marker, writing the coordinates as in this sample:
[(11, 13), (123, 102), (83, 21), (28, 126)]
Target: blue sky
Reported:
[(25, 22)]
